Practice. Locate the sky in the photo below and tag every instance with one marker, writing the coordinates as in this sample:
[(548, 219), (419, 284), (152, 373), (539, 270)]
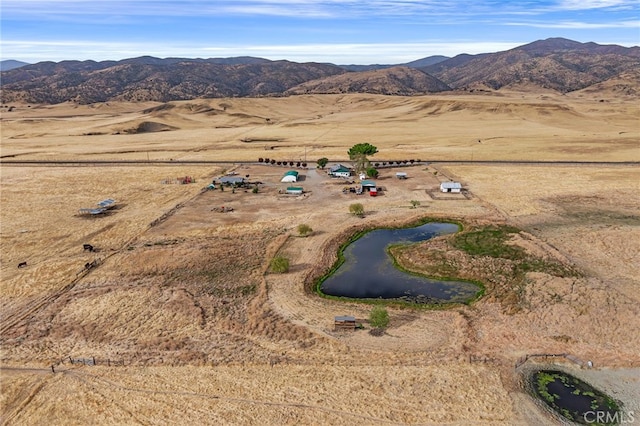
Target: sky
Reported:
[(336, 31)]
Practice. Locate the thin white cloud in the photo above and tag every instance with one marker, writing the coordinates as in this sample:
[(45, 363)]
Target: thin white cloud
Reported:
[(596, 4), (298, 8), (386, 53), (576, 25)]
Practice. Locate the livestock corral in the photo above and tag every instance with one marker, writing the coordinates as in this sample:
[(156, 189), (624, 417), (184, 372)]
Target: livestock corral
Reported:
[(180, 320)]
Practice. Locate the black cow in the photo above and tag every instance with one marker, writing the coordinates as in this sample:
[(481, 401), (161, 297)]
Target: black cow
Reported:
[(87, 247), (22, 265)]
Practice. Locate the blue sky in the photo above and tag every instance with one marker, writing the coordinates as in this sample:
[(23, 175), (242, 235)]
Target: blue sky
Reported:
[(337, 31)]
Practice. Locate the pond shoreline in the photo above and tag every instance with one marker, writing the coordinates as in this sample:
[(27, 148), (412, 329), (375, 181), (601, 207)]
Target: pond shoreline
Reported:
[(343, 241)]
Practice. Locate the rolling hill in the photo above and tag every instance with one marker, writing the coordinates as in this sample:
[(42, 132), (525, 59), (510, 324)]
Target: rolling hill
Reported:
[(553, 64)]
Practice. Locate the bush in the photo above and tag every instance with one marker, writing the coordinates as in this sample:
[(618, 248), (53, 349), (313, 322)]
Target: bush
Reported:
[(357, 209), (414, 203), (279, 265), (304, 230), (379, 317)]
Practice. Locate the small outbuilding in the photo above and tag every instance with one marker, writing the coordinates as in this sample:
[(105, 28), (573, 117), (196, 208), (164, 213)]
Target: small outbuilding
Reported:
[(295, 190), (401, 175), (338, 170), (367, 185), (451, 187), (290, 176), (345, 322)]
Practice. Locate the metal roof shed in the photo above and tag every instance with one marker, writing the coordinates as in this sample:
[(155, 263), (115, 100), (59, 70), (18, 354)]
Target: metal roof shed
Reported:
[(232, 180), (295, 190), (368, 184), (450, 187)]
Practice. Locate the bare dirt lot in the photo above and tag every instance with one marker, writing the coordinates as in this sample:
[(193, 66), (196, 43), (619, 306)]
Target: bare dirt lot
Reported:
[(181, 292)]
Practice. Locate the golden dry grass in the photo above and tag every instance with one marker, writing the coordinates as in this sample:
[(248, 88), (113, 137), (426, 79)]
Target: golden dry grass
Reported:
[(209, 337)]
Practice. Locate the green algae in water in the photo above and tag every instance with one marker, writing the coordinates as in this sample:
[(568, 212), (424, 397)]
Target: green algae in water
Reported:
[(574, 399)]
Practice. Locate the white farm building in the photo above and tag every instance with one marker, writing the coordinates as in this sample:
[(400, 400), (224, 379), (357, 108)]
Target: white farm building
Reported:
[(290, 176), (451, 187)]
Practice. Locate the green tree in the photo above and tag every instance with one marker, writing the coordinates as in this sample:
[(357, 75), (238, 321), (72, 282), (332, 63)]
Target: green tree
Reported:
[(362, 148), (356, 209), (414, 203), (279, 265), (322, 162), (304, 230), (379, 317), (372, 172), (358, 154)]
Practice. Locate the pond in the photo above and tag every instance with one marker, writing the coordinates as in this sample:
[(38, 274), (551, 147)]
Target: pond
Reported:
[(574, 399), (368, 271)]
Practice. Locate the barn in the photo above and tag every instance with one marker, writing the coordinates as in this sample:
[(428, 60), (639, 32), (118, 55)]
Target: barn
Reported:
[(290, 176), (232, 180), (451, 187), (338, 170)]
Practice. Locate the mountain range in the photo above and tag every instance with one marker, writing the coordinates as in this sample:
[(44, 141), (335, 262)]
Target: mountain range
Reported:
[(553, 64)]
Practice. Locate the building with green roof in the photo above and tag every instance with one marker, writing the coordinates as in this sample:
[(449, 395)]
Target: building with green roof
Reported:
[(290, 176)]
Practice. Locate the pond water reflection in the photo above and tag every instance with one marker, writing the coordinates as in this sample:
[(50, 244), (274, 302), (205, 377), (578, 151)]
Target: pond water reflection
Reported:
[(368, 271)]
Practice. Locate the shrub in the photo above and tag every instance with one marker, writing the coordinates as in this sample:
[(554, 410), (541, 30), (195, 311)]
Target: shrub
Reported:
[(279, 265), (304, 230), (379, 317), (414, 203), (357, 209)]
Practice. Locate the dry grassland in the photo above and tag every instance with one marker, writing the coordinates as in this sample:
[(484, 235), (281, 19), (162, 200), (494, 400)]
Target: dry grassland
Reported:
[(208, 336)]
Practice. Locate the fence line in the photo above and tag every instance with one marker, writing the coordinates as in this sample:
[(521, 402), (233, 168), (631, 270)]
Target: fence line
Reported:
[(566, 356), (482, 359), (91, 361)]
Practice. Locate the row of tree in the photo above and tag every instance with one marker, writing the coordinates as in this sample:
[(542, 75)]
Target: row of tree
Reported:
[(282, 163), (390, 163)]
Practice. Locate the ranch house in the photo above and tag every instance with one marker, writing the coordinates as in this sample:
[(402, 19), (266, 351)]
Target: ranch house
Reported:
[(338, 170)]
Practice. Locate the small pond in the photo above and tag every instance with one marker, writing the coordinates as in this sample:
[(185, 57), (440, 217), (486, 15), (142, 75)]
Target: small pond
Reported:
[(574, 399), (368, 271)]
